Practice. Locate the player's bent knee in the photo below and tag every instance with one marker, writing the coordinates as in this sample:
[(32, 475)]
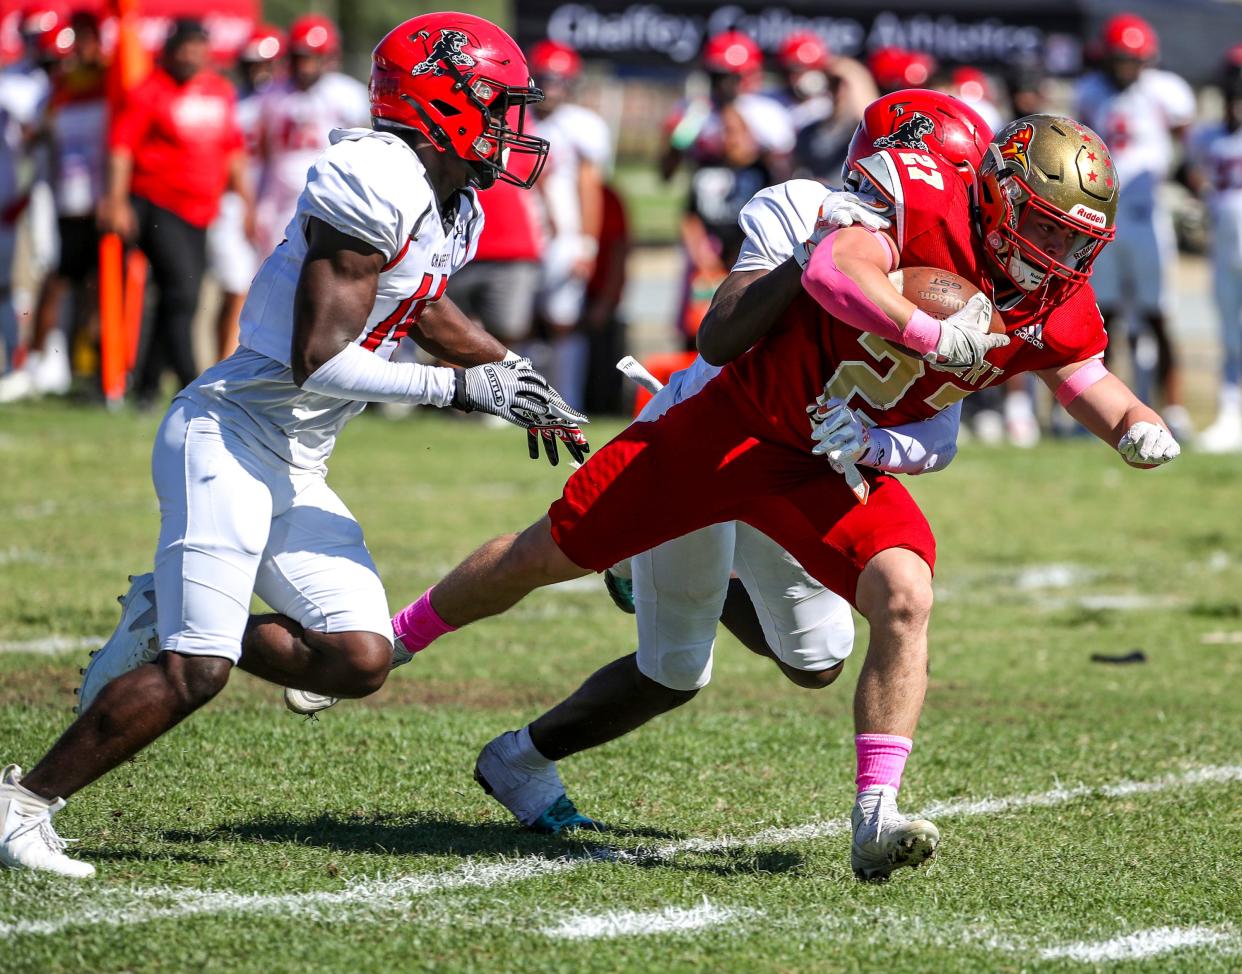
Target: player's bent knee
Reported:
[(654, 691), (363, 661), (538, 558), (896, 588), (195, 680), (814, 679)]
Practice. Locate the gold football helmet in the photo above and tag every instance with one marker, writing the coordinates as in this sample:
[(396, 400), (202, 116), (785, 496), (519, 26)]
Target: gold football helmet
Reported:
[(1047, 197)]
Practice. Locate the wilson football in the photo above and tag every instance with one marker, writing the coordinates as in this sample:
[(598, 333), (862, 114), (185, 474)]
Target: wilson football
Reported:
[(939, 293)]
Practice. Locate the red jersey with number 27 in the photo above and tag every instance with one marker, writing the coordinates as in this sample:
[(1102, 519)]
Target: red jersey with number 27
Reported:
[(810, 349)]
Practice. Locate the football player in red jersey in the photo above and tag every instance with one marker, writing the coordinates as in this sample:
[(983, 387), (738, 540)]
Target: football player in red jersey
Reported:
[(739, 449)]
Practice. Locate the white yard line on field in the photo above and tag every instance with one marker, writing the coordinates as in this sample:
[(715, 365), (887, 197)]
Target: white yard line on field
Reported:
[(51, 645), (629, 923), (90, 906), (1138, 945)]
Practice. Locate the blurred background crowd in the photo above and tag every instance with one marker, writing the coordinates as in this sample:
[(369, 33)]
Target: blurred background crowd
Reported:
[(150, 159)]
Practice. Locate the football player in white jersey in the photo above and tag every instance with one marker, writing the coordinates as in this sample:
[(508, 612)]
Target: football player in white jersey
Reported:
[(572, 191), (295, 117), (682, 588), (231, 251), (239, 461), (1139, 111), (1216, 166)]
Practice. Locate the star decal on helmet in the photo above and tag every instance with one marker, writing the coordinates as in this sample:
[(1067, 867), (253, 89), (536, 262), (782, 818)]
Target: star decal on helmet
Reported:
[(446, 50), (910, 134)]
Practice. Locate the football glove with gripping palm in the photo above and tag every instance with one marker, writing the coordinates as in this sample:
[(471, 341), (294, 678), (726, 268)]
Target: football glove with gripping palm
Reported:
[(515, 392)]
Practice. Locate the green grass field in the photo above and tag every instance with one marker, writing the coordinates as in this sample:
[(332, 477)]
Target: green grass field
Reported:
[(251, 840)]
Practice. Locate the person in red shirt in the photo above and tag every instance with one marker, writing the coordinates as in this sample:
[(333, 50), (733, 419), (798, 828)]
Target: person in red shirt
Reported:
[(741, 448), (173, 150)]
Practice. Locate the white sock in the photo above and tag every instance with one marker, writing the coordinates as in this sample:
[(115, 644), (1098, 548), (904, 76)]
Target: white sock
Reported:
[(528, 755)]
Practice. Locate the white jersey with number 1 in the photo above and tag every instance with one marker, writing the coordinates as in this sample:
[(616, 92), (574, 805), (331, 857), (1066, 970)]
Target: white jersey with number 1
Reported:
[(368, 185)]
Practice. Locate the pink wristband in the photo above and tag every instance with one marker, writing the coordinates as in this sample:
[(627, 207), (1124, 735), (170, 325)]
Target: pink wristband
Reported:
[(1081, 380), (922, 332)]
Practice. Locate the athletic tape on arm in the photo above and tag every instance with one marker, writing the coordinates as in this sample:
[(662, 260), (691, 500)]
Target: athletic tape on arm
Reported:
[(1080, 381), (839, 295)]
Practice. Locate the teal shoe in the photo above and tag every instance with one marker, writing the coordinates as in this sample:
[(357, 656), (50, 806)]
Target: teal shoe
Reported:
[(562, 816), (621, 590)]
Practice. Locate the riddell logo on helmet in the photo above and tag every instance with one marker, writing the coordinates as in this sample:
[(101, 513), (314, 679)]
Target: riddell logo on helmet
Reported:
[(447, 50), (1017, 147), (910, 134), (1088, 215)]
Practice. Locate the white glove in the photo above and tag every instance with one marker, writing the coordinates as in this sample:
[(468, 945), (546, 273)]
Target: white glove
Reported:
[(1149, 444), (964, 337), (839, 434), (839, 210), (842, 438)]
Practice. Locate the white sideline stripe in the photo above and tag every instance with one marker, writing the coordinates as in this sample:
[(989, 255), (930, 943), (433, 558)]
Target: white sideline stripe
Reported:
[(1137, 946), (628, 923), (125, 907), (51, 645), (959, 809)]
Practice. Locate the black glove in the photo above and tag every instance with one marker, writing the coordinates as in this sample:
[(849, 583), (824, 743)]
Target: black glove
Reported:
[(568, 433)]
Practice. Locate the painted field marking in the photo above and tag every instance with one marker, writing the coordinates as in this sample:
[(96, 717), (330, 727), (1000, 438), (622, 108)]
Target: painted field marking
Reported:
[(126, 907), (51, 645), (1138, 945), (631, 923)]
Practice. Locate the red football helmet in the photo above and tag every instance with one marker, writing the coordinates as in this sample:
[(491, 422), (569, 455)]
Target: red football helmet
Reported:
[(267, 43), (922, 119), (314, 34), (803, 50), (732, 52), (554, 59), (895, 68), (1129, 35), (463, 83)]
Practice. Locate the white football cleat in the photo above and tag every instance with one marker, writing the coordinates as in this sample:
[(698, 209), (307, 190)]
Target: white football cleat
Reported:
[(531, 790), (134, 642), (27, 838), (884, 839), (308, 704), (1224, 435)]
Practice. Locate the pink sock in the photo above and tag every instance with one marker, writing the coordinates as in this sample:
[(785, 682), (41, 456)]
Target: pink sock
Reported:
[(881, 759), (419, 625)]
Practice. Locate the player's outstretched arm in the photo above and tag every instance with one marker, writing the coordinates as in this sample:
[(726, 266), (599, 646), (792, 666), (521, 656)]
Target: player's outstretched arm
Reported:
[(446, 332), (744, 308), (1106, 406)]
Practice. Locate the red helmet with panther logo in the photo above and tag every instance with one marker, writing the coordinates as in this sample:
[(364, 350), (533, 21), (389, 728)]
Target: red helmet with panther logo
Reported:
[(463, 83), (926, 121)]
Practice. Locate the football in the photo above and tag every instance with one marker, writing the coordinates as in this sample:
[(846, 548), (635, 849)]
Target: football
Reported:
[(939, 293)]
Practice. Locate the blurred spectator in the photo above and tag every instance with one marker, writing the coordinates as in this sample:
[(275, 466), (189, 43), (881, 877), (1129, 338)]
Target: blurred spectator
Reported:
[(74, 127), (601, 317), (295, 117), (803, 59), (975, 88), (734, 68), (709, 229), (174, 148), (821, 147), (497, 289), (24, 89), (1026, 85), (1216, 168), (1139, 111), (895, 68), (231, 251), (571, 190)]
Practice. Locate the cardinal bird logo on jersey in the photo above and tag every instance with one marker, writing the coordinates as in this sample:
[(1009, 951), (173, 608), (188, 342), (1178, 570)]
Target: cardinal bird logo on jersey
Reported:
[(447, 50), (910, 134), (1017, 147)]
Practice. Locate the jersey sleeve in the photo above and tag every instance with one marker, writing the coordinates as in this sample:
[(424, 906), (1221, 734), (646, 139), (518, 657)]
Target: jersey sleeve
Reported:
[(776, 220), (354, 187), (133, 120), (1176, 98)]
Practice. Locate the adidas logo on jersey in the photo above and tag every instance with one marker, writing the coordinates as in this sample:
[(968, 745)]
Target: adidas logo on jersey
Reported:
[(1032, 334)]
